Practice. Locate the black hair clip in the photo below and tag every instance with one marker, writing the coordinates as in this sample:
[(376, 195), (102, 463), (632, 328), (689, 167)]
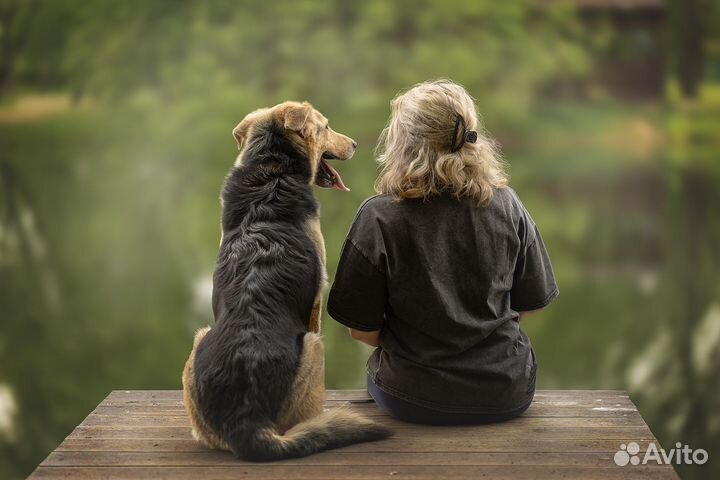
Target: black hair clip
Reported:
[(468, 136)]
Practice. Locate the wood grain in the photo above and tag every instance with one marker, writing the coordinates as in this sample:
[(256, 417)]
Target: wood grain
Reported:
[(368, 472), (564, 434)]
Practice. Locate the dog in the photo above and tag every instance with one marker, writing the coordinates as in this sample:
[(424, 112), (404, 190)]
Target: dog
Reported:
[(254, 383)]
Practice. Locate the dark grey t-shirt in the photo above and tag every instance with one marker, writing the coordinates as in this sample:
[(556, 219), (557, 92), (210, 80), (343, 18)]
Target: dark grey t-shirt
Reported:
[(443, 280)]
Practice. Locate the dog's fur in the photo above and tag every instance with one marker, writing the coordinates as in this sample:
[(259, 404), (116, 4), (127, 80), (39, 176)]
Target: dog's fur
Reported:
[(254, 384)]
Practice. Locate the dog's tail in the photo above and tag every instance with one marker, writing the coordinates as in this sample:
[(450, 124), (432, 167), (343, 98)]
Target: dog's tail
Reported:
[(331, 429)]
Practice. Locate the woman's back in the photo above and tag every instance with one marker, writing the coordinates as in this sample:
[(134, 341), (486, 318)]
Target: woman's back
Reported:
[(443, 279), (440, 265)]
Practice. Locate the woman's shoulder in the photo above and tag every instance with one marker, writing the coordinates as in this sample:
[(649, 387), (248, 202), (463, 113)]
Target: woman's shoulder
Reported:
[(509, 201), (373, 211), (384, 205), (376, 202), (375, 206), (388, 206), (506, 195)]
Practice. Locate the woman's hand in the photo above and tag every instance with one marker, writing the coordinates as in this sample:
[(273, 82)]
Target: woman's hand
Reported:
[(371, 338)]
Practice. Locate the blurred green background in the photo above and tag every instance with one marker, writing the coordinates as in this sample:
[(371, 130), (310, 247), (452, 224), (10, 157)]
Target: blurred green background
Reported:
[(115, 135)]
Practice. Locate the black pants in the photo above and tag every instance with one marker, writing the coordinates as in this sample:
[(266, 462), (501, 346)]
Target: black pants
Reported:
[(409, 412)]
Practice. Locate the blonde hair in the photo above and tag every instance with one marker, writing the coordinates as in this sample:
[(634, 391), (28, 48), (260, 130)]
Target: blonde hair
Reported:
[(415, 149)]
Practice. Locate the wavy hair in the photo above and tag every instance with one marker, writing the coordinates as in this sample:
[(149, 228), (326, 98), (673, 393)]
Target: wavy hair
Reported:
[(415, 148)]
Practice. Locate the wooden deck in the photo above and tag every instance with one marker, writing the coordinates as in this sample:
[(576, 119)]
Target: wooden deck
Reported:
[(564, 434)]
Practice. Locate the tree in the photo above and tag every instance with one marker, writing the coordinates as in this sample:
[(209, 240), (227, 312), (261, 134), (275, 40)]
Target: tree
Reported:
[(15, 26)]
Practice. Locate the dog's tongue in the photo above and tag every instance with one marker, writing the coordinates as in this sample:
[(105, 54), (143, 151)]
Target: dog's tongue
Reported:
[(339, 185)]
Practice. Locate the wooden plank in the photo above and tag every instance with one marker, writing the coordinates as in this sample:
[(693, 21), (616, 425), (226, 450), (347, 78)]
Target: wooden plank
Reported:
[(528, 444), (535, 410), (178, 404), (564, 434), (630, 419), (498, 431), (97, 425), (417, 442), (361, 395), (368, 472), (338, 457), (555, 399), (178, 407)]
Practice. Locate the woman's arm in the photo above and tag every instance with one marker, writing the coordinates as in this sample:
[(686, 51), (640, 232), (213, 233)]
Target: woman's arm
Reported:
[(371, 338)]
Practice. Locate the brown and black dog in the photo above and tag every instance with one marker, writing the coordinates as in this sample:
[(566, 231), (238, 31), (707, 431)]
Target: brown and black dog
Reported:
[(254, 383)]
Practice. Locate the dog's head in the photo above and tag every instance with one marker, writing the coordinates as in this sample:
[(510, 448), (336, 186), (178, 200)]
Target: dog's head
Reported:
[(309, 131)]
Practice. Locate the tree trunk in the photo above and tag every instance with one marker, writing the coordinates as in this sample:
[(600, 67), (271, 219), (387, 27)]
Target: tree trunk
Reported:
[(690, 32)]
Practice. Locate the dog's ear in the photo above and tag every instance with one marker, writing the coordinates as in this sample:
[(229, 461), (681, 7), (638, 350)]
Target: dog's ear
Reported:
[(240, 132), (297, 115)]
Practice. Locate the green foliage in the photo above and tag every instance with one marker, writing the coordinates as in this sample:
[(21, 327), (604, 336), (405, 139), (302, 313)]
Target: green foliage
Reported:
[(336, 53)]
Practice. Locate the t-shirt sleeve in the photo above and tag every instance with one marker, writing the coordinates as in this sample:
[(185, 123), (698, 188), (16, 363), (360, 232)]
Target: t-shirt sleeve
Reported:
[(534, 285), (359, 292)]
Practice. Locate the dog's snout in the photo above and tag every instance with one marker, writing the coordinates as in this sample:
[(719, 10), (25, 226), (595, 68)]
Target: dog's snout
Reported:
[(354, 144)]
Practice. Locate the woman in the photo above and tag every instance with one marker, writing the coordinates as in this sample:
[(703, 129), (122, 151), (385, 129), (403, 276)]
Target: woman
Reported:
[(439, 269)]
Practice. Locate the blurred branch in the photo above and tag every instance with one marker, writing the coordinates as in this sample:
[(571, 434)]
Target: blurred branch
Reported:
[(20, 220), (692, 22)]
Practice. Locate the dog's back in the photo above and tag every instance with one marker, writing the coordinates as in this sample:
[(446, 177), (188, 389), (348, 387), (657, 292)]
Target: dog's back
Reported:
[(266, 276), (254, 384)]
